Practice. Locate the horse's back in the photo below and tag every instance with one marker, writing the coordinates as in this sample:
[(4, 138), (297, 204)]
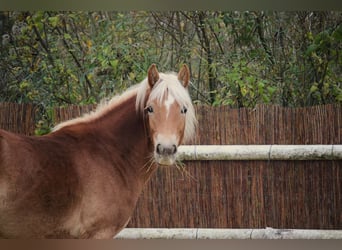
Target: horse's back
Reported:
[(62, 185), (37, 184)]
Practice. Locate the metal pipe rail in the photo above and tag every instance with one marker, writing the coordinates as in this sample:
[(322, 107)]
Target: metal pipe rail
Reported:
[(216, 233), (260, 152)]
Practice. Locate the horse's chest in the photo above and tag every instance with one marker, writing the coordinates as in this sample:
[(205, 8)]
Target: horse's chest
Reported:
[(104, 207)]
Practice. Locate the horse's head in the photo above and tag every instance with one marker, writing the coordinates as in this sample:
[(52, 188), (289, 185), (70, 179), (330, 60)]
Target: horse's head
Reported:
[(169, 112)]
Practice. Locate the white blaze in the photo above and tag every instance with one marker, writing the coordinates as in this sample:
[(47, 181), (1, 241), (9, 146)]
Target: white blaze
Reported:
[(169, 101)]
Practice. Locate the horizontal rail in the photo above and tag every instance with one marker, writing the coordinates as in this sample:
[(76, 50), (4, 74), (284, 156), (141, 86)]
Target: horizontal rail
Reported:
[(260, 152), (211, 233)]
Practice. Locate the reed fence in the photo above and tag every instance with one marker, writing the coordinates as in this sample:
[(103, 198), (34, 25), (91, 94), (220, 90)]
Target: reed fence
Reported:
[(239, 194), (18, 118)]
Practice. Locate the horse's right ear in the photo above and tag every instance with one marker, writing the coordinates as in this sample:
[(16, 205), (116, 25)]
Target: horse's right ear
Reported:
[(184, 75), (152, 75)]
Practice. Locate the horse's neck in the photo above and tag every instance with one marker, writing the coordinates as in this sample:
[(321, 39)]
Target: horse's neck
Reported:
[(124, 129)]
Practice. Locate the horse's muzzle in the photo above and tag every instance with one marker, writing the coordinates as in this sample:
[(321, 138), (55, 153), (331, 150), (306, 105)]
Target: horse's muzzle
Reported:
[(165, 154), (166, 150)]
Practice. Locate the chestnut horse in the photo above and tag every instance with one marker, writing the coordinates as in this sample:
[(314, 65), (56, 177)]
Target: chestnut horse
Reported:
[(83, 179)]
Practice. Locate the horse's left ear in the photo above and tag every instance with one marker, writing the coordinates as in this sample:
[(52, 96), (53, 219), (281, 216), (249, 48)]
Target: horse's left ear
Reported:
[(152, 75), (184, 75)]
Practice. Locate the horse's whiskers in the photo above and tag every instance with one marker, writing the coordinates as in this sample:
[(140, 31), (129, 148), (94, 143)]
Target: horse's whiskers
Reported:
[(181, 168), (149, 167), (149, 163)]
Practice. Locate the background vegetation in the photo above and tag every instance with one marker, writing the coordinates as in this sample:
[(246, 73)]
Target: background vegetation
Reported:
[(238, 59)]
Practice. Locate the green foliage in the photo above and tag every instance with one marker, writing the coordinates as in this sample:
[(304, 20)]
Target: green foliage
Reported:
[(243, 87), (59, 58), (236, 58), (324, 54)]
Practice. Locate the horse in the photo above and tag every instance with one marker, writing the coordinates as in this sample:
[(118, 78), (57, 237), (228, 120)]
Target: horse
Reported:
[(84, 178)]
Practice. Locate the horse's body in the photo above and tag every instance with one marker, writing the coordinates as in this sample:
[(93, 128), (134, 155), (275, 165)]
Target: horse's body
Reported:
[(83, 179)]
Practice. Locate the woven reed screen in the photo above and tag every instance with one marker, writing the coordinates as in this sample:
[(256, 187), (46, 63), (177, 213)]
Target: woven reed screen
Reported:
[(237, 194)]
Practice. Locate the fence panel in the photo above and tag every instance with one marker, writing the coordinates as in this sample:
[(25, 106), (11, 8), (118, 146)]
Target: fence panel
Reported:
[(251, 194), (18, 118), (236, 194)]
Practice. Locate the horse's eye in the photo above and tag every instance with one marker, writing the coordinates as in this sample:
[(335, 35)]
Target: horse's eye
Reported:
[(149, 109), (183, 110)]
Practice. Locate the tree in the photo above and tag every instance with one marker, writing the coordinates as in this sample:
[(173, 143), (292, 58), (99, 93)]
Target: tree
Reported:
[(238, 59)]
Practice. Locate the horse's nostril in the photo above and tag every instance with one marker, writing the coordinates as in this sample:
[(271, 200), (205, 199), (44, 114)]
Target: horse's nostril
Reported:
[(159, 148), (174, 147)]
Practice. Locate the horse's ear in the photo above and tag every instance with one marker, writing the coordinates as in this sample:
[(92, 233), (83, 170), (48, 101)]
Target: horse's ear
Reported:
[(184, 75), (152, 75)]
